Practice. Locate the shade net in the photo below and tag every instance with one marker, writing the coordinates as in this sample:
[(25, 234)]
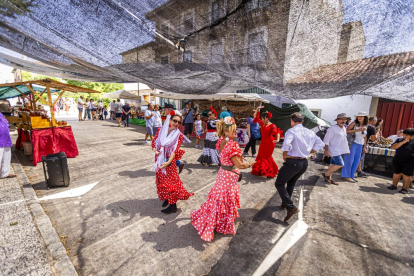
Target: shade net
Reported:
[(293, 48)]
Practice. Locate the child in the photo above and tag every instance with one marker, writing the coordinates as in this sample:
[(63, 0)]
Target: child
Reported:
[(105, 111), (198, 129)]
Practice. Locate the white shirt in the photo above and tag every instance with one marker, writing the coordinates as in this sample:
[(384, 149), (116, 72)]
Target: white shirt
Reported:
[(157, 119), (150, 121), (359, 137), (299, 141), (335, 139), (80, 103), (394, 137), (111, 106)]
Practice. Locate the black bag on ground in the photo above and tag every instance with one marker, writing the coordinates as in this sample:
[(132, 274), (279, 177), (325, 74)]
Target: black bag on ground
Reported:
[(55, 167)]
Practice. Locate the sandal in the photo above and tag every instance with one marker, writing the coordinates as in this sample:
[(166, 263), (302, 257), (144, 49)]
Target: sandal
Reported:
[(326, 178), (11, 176), (330, 181)]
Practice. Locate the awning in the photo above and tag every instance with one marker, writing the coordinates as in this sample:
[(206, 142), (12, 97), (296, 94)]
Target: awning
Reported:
[(122, 94), (239, 97), (281, 116), (7, 92)]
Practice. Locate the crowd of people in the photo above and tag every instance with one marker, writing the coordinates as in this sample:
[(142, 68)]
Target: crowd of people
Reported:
[(345, 143)]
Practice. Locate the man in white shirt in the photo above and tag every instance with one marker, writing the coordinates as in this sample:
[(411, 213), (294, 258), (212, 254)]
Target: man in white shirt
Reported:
[(299, 143), (149, 119), (112, 110), (396, 136), (118, 111), (336, 145), (80, 107)]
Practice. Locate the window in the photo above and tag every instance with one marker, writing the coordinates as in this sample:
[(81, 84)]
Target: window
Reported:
[(215, 11), (164, 60), (188, 25), (254, 4), (286, 105), (217, 53), (257, 52), (316, 112), (187, 57)]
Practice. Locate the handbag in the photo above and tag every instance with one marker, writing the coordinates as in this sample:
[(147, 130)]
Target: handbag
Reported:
[(351, 138)]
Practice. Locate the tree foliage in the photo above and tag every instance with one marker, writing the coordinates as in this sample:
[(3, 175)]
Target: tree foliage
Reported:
[(11, 8)]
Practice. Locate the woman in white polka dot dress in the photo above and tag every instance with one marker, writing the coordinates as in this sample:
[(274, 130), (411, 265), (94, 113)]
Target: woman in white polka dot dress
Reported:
[(219, 212)]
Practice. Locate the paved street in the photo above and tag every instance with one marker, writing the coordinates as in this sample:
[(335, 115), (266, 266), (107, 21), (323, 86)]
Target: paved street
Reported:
[(111, 217)]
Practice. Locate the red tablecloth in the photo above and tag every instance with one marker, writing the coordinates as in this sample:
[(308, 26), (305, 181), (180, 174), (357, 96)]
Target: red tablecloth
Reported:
[(53, 140)]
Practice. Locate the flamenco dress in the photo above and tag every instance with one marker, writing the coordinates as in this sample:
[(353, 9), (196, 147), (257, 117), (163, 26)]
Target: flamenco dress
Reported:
[(219, 212), (169, 185), (265, 165)]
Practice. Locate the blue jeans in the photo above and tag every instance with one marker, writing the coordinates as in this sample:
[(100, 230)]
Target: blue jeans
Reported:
[(87, 112), (125, 118), (351, 161)]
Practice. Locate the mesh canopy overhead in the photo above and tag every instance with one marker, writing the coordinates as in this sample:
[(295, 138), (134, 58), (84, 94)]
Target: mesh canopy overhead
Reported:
[(294, 48)]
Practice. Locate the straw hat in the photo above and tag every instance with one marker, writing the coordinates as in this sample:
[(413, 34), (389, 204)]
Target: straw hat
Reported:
[(362, 114)]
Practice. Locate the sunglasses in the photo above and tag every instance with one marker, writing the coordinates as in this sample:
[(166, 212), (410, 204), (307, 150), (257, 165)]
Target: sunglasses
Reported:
[(177, 122)]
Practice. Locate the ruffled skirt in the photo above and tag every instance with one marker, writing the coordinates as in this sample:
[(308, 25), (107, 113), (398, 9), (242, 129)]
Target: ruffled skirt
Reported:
[(210, 154), (219, 212)]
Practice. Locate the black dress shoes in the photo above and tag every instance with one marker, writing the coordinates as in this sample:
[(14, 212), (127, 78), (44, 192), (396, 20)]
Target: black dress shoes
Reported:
[(291, 213), (170, 209)]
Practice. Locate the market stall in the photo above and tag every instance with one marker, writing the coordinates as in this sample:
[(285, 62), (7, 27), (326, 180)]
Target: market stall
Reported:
[(241, 105), (38, 133)]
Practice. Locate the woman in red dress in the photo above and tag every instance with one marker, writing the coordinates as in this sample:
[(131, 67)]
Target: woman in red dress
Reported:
[(166, 146), (219, 212), (265, 165)]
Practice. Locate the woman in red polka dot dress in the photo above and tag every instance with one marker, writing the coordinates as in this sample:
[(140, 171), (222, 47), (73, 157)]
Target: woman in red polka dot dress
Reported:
[(219, 212), (166, 146)]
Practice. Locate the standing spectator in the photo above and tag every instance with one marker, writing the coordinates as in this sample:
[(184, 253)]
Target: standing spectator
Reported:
[(358, 147), (372, 133), (188, 119), (157, 118), (105, 111), (92, 107), (100, 109), (149, 121), (198, 129), (126, 110), (298, 144), (336, 145), (224, 113), (348, 121), (5, 148), (80, 107), (87, 110), (118, 111), (378, 127), (112, 110), (204, 113), (253, 131), (396, 136), (403, 160), (66, 105)]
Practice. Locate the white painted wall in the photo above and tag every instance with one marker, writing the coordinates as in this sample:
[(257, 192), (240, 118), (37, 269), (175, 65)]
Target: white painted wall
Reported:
[(134, 86), (330, 108)]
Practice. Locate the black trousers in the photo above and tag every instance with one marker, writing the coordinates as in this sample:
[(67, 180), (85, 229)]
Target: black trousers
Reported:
[(251, 144), (290, 172)]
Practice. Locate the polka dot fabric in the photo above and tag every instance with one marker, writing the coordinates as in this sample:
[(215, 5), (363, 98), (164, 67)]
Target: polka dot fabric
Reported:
[(170, 186), (219, 212)]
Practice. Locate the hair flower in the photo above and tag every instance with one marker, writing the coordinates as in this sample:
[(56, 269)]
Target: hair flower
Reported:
[(228, 121)]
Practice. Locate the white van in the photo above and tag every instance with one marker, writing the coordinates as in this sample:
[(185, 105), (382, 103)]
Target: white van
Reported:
[(278, 101)]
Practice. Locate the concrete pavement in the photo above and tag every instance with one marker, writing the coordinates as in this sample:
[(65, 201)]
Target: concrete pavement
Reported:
[(111, 216)]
